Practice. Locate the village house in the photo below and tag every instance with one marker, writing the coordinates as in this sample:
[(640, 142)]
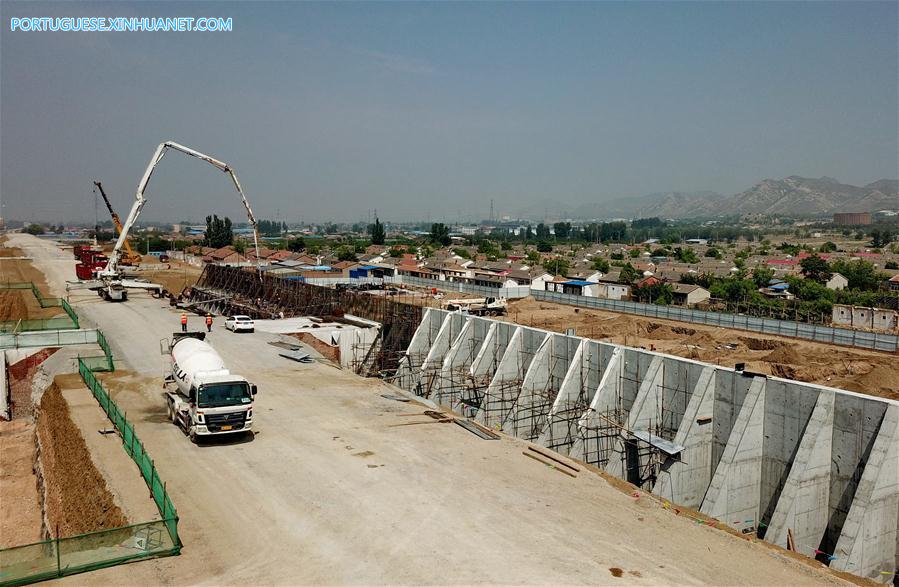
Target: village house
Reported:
[(689, 295)]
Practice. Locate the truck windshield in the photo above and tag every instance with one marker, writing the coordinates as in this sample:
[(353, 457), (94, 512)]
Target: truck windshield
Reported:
[(224, 394)]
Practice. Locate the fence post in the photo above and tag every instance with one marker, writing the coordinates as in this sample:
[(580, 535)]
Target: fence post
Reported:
[(152, 477), (58, 561)]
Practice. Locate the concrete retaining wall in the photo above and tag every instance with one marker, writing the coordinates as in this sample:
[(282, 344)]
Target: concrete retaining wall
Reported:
[(761, 454)]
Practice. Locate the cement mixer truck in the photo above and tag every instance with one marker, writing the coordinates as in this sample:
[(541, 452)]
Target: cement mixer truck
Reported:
[(209, 399)]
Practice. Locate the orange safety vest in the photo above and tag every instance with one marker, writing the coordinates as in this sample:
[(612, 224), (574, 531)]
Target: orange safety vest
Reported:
[(183, 318), (208, 320)]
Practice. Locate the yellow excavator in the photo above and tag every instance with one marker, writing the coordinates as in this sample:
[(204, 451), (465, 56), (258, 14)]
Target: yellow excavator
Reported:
[(130, 257)]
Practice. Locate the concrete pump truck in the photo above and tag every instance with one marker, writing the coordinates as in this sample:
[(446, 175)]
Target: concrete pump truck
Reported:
[(110, 281)]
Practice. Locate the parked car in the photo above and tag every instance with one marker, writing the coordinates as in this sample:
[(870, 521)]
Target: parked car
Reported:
[(240, 324)]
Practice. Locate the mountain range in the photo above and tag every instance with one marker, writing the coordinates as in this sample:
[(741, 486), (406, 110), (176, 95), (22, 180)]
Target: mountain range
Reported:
[(791, 196)]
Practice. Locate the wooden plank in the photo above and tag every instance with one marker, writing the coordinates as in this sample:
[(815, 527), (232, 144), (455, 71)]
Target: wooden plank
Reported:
[(554, 458), (539, 459)]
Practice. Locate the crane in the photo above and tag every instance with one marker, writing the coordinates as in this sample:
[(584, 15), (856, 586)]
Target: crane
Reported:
[(130, 257), (110, 275)]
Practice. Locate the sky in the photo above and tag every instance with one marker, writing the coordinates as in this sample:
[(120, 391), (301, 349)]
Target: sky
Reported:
[(428, 111)]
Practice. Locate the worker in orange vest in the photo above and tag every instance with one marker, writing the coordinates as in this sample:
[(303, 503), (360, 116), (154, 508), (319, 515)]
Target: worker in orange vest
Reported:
[(183, 322), (208, 322)]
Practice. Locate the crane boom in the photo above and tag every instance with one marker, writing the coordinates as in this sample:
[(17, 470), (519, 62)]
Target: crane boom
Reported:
[(111, 269), (131, 257)]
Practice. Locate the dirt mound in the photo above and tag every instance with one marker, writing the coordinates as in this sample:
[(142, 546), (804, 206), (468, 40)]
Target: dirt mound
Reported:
[(761, 344), (783, 354), (881, 377), (77, 498)]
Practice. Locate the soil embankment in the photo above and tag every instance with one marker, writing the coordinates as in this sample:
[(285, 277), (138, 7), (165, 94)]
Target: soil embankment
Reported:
[(870, 372), (77, 499)]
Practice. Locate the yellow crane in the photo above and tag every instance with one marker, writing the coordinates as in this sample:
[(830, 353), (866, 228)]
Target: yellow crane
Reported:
[(130, 257)]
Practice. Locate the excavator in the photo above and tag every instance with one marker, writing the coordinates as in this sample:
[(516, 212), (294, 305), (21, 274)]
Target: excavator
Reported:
[(129, 257)]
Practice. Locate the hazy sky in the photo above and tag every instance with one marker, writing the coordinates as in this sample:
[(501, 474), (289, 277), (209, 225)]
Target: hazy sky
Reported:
[(427, 111)]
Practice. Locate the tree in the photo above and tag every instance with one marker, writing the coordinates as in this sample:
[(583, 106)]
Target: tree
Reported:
[(628, 274), (816, 269), (860, 273), (713, 253), (891, 265), (34, 229), (544, 247), (440, 234), (656, 293), (827, 247), (377, 232), (296, 245), (762, 275), (543, 232), (218, 232), (505, 245), (881, 238), (346, 254), (533, 257), (562, 229), (557, 266), (686, 255), (240, 246), (601, 265)]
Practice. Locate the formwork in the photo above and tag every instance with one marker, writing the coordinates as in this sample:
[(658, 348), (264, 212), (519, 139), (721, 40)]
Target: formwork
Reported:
[(246, 290), (762, 454)]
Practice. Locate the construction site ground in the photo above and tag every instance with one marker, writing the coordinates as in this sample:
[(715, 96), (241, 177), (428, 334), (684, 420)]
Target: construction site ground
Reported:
[(341, 485), (870, 372), (80, 480), (16, 304)]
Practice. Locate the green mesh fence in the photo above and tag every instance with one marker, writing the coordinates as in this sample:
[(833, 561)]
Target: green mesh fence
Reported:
[(21, 565), (67, 321), (30, 563)]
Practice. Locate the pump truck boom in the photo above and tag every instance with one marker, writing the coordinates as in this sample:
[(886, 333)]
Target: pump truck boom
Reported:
[(130, 257), (110, 275), (209, 399)]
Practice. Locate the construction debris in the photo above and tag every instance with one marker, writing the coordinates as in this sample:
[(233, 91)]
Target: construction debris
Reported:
[(298, 356), (477, 430), (541, 459), (553, 457)]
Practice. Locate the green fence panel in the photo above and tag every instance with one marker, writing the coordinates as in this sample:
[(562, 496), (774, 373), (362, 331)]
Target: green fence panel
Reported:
[(21, 565), (69, 321)]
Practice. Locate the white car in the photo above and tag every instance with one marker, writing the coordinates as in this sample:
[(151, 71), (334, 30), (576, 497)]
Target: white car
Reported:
[(240, 324)]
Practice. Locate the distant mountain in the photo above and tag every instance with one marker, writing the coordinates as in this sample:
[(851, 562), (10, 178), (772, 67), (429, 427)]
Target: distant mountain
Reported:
[(661, 204), (802, 196), (790, 196)]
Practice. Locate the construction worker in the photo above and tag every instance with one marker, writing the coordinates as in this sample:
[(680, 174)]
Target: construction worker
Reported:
[(208, 322), (183, 322)]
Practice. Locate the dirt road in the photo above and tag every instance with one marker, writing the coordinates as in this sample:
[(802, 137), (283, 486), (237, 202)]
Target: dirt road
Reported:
[(332, 491)]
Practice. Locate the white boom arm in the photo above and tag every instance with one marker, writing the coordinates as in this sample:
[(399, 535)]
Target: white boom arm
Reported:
[(112, 267)]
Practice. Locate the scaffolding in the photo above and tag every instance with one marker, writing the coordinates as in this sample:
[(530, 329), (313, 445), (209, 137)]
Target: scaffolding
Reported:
[(571, 409), (247, 290)]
